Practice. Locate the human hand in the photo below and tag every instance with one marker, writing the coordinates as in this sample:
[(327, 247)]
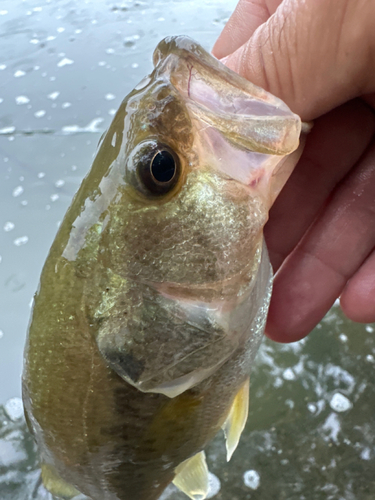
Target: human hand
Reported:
[(319, 57)]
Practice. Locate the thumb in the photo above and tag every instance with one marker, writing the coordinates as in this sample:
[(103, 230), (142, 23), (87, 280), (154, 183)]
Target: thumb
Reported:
[(313, 54)]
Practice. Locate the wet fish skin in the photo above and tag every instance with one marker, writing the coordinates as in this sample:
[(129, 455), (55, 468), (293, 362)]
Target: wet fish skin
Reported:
[(152, 302)]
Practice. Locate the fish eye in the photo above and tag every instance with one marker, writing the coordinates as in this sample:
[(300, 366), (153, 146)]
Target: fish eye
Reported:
[(154, 168), (163, 166)]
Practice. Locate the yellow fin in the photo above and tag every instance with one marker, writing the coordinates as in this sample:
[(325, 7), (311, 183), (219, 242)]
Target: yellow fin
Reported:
[(192, 477), (56, 485), (236, 419)]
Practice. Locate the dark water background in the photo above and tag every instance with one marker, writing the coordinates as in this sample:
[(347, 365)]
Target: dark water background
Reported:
[(64, 68)]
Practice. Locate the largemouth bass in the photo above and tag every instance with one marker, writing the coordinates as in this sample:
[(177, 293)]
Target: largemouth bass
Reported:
[(153, 299)]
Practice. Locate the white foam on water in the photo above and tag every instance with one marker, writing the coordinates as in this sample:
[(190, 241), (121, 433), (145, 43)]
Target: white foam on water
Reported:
[(91, 127), (8, 226), (7, 130), (22, 99), (17, 191), (311, 407), (10, 453), (22, 240), (366, 454), (332, 427), (214, 485), (251, 478), (340, 403), (65, 62), (53, 95), (288, 374), (14, 408)]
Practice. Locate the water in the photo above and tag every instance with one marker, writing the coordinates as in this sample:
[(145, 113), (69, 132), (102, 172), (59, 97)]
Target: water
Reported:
[(64, 68)]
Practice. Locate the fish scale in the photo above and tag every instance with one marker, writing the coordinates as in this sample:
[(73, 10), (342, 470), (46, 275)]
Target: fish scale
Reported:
[(153, 299)]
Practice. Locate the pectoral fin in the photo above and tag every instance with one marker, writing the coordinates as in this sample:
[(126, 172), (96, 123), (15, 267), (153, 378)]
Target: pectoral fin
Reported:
[(192, 477), (236, 420), (56, 485)]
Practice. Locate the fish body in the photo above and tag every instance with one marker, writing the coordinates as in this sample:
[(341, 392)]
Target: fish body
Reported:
[(153, 299)]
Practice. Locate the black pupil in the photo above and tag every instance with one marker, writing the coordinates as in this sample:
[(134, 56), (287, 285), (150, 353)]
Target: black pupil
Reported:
[(163, 166)]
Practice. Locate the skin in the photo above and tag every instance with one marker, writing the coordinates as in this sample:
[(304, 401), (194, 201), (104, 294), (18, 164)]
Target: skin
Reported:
[(143, 291), (318, 56)]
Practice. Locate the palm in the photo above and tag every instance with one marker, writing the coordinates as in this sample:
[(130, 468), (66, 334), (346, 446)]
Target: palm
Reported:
[(324, 222), (321, 232)]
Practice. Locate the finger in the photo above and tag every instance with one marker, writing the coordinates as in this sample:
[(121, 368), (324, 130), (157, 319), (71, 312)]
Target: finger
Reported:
[(331, 251), (248, 15), (358, 298), (334, 145), (314, 55)]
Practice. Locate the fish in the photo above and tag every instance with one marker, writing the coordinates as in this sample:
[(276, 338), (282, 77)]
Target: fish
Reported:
[(153, 299)]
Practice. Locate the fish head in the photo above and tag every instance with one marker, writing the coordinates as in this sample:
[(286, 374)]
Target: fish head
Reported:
[(184, 179)]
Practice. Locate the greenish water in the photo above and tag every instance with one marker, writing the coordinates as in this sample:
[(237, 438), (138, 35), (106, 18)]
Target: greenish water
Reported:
[(64, 68), (310, 433)]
